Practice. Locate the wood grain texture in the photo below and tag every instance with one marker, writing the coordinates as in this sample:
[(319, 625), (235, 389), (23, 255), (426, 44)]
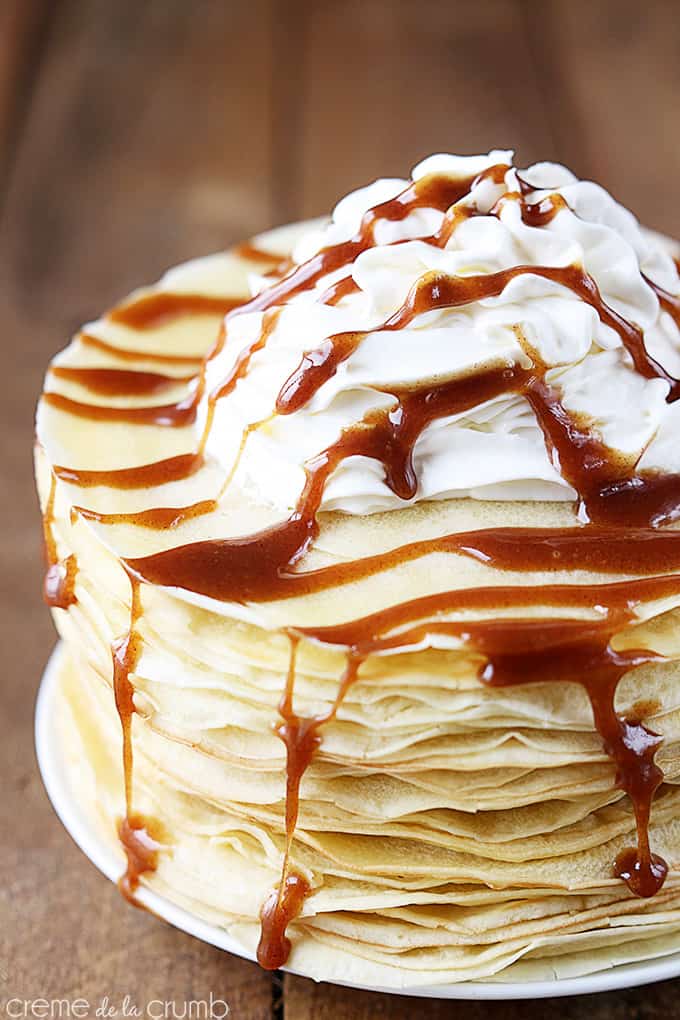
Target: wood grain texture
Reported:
[(148, 142), (406, 80), (23, 31), (610, 76), (306, 1000), (74, 938), (133, 136)]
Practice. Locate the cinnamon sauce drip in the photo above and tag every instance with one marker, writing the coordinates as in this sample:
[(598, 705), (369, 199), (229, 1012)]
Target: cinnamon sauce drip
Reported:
[(60, 577), (140, 837), (115, 382), (160, 307)]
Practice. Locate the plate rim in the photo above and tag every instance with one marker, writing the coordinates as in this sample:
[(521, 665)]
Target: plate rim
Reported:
[(84, 835)]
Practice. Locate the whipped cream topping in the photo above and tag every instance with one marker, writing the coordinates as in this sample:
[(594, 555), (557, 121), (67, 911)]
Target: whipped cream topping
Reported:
[(496, 450)]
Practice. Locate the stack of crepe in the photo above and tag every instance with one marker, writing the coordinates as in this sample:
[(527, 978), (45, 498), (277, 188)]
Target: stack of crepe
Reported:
[(448, 830)]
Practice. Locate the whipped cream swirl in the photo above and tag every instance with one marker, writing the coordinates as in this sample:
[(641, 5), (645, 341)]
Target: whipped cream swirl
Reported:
[(496, 450)]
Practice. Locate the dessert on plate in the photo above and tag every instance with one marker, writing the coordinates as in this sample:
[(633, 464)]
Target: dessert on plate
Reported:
[(362, 543)]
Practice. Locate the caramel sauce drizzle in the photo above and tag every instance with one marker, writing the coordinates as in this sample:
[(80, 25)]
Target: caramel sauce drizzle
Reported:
[(115, 382), (60, 577), (253, 253), (437, 290), (149, 311), (301, 737), (213, 568), (622, 508), (258, 567), (436, 191), (60, 582), (132, 354), (517, 651), (250, 563), (245, 356), (669, 302), (334, 294), (159, 472), (280, 908), (140, 837), (537, 214), (177, 415), (301, 740), (610, 490), (160, 518)]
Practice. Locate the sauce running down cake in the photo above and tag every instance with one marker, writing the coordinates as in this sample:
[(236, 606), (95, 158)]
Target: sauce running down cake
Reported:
[(362, 544)]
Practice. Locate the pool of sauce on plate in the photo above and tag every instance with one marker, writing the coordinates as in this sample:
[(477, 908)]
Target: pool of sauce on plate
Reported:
[(623, 510)]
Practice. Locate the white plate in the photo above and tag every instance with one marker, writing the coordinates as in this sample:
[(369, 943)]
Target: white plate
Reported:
[(85, 834)]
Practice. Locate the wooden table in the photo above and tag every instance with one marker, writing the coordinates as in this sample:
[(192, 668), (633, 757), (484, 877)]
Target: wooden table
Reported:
[(135, 135)]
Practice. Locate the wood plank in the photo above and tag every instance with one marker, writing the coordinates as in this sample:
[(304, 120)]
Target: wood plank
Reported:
[(306, 1000), (611, 74), (382, 83), (23, 28), (66, 933), (149, 142)]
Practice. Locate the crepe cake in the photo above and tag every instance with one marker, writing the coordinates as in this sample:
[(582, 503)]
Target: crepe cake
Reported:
[(362, 544)]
